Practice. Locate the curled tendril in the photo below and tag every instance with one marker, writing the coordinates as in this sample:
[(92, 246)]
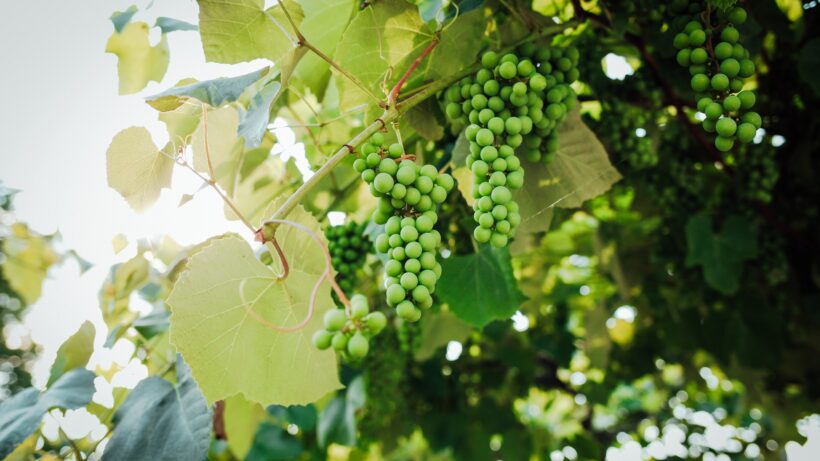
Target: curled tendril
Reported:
[(326, 275)]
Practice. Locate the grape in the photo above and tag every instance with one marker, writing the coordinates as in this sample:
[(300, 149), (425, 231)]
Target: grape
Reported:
[(348, 248), (527, 96), (408, 210), (357, 346), (726, 105)]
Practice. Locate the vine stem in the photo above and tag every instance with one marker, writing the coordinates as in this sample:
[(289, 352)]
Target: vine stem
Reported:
[(394, 93)]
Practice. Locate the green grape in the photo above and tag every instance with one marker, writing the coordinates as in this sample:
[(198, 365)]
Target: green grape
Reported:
[(348, 331), (348, 248)]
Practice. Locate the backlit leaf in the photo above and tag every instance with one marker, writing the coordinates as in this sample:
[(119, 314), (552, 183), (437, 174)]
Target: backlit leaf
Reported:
[(138, 62), (136, 167)]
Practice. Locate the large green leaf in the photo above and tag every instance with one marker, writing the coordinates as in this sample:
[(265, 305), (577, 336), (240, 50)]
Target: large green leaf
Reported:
[(74, 352), (458, 48), (214, 92), (138, 62), (136, 168), (324, 23), (217, 308), (337, 423), (162, 421), (242, 30), (721, 254), (480, 287), (20, 415)]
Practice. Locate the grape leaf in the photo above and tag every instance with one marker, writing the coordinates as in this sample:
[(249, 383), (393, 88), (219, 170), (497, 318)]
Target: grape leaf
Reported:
[(136, 167), (28, 257), (375, 41), (480, 287), (223, 145), (437, 330), (720, 254), (20, 415), (230, 351), (422, 119), (137, 61), (171, 25), (324, 23), (255, 195), (214, 92), (458, 48), (241, 420), (160, 420), (74, 352), (236, 31), (337, 423)]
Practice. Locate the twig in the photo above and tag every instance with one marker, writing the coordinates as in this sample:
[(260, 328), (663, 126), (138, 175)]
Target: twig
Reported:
[(394, 93), (77, 452), (205, 142)]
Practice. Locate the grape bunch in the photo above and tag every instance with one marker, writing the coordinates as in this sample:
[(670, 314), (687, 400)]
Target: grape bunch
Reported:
[(515, 100), (349, 332), (348, 249), (718, 68), (619, 127), (408, 195)]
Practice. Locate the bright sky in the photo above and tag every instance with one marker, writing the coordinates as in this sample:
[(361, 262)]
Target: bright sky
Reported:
[(62, 109)]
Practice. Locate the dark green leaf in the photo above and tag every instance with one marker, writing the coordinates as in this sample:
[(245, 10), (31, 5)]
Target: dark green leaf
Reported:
[(809, 64), (160, 420), (214, 92), (720, 254), (337, 423), (480, 287)]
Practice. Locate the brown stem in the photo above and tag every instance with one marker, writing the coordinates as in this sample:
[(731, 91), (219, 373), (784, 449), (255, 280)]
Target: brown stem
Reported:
[(219, 420), (394, 93)]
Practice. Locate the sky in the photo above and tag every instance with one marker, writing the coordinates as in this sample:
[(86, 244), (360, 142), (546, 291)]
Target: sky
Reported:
[(61, 111)]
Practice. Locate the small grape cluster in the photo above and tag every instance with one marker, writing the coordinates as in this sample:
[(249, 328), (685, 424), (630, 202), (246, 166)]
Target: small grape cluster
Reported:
[(348, 250), (619, 127), (349, 333), (717, 78), (409, 195), (515, 100)]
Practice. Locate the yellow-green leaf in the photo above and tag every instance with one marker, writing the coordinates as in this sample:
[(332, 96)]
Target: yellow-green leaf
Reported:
[(242, 30), (217, 305), (28, 257), (241, 419), (136, 167), (74, 352), (222, 144), (138, 62), (325, 21)]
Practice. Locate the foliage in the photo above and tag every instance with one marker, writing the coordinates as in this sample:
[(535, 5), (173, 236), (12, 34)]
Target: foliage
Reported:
[(659, 295)]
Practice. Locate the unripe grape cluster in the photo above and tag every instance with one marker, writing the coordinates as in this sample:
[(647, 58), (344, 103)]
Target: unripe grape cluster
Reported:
[(622, 129), (348, 250), (409, 195), (349, 331), (515, 100), (718, 65)]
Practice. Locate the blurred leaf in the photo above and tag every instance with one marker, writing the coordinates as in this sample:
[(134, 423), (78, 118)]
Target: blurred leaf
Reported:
[(437, 330), (137, 61), (273, 443), (720, 254), (20, 415), (171, 25), (217, 137), (28, 257), (337, 423), (423, 119), (242, 418), (74, 352), (137, 169), (480, 287), (160, 420), (152, 324), (121, 18), (808, 64)]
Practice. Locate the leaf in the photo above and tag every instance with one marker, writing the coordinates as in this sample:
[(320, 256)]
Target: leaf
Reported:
[(236, 31), (324, 23), (118, 243), (273, 443), (74, 352), (213, 92), (423, 119), (136, 167), (20, 415), (337, 423), (222, 144), (28, 257), (137, 61), (160, 420), (808, 64), (229, 350), (121, 18), (437, 330), (720, 254), (152, 324), (480, 287), (241, 421), (375, 41), (171, 25), (256, 194), (255, 121), (459, 46)]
